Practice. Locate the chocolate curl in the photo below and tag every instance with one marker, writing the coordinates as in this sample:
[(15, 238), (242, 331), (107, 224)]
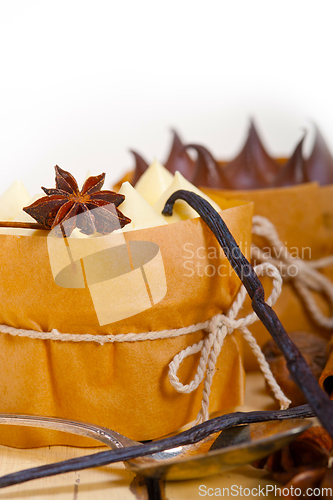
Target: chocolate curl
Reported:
[(292, 173), (319, 166), (179, 160), (140, 167), (253, 168), (207, 173)]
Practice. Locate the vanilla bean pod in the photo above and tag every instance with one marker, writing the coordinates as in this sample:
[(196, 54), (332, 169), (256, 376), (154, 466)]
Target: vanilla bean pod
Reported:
[(296, 364), (191, 436)]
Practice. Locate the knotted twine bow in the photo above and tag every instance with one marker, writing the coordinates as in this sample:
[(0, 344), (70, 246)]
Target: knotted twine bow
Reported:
[(210, 347), (305, 279)]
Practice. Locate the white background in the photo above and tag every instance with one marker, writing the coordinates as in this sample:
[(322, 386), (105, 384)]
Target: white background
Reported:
[(81, 82)]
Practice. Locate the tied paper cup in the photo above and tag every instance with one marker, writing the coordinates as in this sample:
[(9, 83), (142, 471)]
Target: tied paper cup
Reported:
[(79, 292), (303, 218)]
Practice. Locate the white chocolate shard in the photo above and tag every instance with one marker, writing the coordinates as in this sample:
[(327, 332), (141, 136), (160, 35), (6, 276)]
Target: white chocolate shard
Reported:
[(153, 182), (24, 217), (138, 210), (12, 201), (181, 209)]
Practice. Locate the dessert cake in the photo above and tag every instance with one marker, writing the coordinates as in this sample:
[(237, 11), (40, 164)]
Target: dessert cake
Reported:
[(70, 304)]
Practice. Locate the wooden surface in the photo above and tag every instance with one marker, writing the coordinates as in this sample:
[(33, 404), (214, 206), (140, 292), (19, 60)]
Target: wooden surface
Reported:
[(114, 481)]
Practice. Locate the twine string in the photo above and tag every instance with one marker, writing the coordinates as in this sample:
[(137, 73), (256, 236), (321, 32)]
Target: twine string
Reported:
[(306, 278), (220, 326)]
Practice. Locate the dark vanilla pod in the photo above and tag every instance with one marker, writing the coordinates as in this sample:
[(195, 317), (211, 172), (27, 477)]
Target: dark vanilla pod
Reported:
[(319, 166), (253, 168), (190, 436), (178, 159), (207, 172), (140, 167), (292, 173)]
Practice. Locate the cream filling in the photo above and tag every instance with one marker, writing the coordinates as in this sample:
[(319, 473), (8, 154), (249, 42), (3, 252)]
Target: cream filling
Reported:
[(181, 210), (153, 182), (138, 209), (157, 182), (12, 201)]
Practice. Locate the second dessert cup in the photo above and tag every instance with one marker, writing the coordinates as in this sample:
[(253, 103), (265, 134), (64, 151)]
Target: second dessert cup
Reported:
[(303, 218)]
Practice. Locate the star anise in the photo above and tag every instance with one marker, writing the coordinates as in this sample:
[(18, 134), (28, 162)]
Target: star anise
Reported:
[(66, 207)]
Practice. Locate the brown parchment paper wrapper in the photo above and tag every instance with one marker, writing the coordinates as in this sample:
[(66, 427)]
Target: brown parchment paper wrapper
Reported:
[(303, 217), (123, 386)]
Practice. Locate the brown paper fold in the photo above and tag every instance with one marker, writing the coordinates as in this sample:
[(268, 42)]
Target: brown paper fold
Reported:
[(303, 217), (123, 386)]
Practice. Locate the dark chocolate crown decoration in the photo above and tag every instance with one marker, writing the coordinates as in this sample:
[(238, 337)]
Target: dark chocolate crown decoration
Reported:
[(252, 168)]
